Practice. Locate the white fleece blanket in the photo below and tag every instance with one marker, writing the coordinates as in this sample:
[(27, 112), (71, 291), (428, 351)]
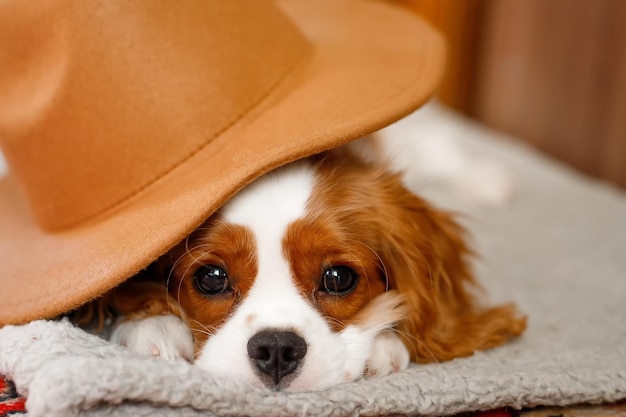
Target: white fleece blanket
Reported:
[(558, 249)]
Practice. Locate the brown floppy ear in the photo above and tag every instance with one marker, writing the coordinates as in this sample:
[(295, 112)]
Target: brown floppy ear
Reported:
[(426, 258)]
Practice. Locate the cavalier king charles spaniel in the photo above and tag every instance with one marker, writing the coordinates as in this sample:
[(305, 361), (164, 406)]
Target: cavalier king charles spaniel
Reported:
[(322, 271)]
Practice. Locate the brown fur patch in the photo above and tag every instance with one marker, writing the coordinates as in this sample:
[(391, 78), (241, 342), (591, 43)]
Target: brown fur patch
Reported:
[(316, 243), (230, 247)]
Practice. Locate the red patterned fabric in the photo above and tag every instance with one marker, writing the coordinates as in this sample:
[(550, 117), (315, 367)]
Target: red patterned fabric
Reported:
[(10, 402)]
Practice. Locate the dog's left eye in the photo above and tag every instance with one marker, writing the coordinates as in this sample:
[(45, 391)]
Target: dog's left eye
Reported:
[(338, 280), (211, 279)]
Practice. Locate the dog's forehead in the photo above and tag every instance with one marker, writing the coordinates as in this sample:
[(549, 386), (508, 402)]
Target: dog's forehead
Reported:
[(274, 200), (267, 208)]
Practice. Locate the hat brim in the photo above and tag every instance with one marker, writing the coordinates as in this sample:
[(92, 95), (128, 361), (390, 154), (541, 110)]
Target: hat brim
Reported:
[(367, 70)]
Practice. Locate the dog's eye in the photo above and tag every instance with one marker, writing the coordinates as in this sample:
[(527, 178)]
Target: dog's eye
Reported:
[(211, 279), (338, 280)]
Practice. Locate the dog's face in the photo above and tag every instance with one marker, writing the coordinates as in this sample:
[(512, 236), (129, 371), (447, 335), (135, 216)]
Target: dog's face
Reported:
[(297, 282), (276, 284)]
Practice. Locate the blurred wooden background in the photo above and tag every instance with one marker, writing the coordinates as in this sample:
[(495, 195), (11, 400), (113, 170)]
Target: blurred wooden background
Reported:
[(551, 72)]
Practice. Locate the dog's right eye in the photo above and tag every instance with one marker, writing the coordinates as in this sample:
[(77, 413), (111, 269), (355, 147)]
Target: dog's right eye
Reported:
[(211, 279)]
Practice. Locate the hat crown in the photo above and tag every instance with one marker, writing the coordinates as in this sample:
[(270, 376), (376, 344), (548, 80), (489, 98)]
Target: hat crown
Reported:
[(95, 109)]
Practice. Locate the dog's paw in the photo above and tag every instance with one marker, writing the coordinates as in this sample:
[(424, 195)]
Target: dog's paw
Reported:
[(388, 355), (165, 336)]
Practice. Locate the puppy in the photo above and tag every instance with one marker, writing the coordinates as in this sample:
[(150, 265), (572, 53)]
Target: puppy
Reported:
[(320, 272)]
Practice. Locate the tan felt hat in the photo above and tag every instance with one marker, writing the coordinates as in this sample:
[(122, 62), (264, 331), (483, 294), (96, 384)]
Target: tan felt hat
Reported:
[(125, 124)]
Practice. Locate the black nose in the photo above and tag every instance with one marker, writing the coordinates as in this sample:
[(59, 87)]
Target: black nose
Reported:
[(276, 353)]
